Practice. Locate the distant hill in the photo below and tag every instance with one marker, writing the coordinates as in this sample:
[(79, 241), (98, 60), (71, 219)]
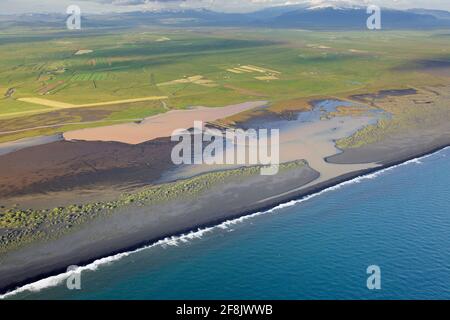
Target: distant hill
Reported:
[(355, 18), (294, 16), (440, 14)]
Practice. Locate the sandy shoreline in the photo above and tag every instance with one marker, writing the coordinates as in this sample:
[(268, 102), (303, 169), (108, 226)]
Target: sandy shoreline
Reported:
[(205, 218)]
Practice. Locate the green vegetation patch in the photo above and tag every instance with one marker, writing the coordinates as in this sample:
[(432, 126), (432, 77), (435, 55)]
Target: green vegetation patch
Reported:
[(131, 64), (90, 76), (24, 226), (410, 114)]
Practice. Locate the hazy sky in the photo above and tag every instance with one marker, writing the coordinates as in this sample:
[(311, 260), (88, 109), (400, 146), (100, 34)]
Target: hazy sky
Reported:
[(100, 6)]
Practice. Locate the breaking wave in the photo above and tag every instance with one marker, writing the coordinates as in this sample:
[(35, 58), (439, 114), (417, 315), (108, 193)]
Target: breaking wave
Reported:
[(56, 280)]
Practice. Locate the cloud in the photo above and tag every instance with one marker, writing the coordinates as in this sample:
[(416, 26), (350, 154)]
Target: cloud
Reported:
[(133, 2), (100, 6), (238, 5)]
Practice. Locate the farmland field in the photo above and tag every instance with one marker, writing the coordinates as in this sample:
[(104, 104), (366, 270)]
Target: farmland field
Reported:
[(115, 72)]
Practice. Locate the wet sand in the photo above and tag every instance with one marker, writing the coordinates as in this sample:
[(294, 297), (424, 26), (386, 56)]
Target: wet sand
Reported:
[(87, 169), (159, 126), (9, 147), (396, 147), (425, 128), (313, 141)]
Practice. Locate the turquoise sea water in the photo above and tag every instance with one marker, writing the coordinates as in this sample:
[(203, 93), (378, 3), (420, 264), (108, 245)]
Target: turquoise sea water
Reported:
[(320, 248)]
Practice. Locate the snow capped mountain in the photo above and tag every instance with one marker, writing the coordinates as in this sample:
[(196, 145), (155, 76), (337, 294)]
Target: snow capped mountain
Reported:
[(333, 4), (312, 14)]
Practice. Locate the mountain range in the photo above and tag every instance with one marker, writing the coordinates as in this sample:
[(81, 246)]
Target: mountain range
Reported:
[(290, 16)]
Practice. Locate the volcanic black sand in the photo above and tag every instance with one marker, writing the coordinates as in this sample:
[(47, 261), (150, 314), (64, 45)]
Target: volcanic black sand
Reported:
[(80, 165)]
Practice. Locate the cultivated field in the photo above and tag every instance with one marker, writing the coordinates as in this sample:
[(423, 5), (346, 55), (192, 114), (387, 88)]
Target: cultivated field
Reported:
[(52, 82)]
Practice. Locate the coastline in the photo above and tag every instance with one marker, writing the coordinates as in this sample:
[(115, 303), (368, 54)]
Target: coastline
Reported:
[(251, 209), (92, 188)]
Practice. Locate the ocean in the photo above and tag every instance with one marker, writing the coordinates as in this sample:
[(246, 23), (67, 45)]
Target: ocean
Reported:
[(318, 247)]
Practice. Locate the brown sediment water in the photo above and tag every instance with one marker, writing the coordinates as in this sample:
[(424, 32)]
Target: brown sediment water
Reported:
[(310, 141), (159, 126)]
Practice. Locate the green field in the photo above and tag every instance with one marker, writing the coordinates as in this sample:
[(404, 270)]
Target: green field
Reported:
[(133, 64)]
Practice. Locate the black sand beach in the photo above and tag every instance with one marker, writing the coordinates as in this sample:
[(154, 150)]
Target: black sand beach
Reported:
[(99, 239)]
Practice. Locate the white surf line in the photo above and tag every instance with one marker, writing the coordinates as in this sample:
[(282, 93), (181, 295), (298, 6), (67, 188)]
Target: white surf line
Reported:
[(184, 238)]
